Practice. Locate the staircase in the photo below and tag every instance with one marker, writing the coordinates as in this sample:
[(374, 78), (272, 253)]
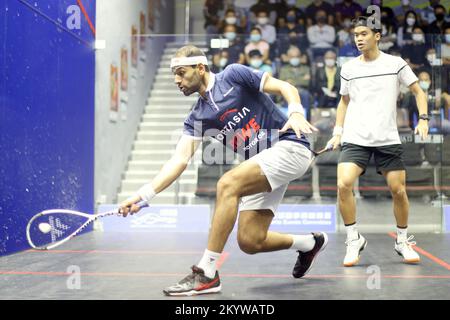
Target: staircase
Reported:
[(159, 131)]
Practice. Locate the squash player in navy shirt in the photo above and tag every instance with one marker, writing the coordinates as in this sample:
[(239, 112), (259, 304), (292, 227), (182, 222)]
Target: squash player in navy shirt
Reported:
[(235, 109)]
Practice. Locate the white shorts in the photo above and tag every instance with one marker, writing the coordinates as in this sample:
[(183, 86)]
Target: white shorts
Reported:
[(283, 162)]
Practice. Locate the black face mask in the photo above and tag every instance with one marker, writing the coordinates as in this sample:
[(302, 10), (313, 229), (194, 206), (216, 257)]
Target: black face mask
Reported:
[(322, 19), (440, 16)]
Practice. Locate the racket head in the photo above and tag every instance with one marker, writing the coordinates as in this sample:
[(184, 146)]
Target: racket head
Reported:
[(62, 223)]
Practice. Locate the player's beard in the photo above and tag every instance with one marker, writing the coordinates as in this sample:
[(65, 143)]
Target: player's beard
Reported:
[(194, 86)]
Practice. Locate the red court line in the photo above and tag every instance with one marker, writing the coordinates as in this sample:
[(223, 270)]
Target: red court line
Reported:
[(80, 4), (117, 252), (224, 275), (440, 262)]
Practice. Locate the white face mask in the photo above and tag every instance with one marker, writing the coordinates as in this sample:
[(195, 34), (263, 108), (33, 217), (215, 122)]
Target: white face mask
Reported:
[(405, 2), (417, 37), (330, 62), (410, 21), (256, 63), (231, 20), (263, 21), (223, 62), (294, 62), (431, 57), (425, 85), (347, 23)]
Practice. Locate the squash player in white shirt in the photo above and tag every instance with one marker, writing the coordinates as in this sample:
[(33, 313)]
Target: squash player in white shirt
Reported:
[(366, 126)]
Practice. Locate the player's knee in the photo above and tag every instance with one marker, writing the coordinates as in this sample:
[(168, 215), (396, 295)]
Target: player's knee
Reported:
[(398, 191), (226, 185), (249, 245), (344, 186)]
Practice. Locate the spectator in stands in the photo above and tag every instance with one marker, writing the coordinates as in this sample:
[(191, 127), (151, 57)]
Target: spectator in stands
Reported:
[(256, 42), (435, 103), (405, 31), (347, 9), (402, 11), (344, 35), (427, 13), (349, 49), (211, 13), (298, 73), (220, 61), (240, 13), (328, 82), (232, 19), (268, 31), (256, 62), (415, 52), (263, 5), (314, 7), (236, 48), (388, 32), (438, 26), (293, 33), (321, 35)]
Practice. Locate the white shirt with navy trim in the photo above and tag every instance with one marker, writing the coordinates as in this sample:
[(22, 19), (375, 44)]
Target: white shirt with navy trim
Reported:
[(373, 88), (238, 113)]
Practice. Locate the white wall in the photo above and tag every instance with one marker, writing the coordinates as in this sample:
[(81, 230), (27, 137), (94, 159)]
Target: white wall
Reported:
[(113, 140)]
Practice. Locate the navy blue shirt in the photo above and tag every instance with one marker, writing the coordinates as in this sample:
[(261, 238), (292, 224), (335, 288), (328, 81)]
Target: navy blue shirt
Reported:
[(237, 113)]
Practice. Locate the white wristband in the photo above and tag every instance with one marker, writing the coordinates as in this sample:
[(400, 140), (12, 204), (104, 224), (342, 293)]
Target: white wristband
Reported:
[(337, 131), (146, 192), (295, 107)]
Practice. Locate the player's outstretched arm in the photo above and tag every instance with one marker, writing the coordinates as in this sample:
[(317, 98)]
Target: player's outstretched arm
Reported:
[(184, 151)]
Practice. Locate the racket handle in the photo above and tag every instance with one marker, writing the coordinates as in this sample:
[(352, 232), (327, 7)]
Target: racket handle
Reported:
[(142, 204)]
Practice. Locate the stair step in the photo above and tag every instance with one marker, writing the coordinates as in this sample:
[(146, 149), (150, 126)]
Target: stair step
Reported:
[(164, 135), (147, 175), (164, 117)]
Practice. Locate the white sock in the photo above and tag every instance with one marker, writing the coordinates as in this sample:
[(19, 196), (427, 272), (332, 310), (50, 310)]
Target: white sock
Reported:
[(208, 263), (352, 232), (402, 234), (303, 243)]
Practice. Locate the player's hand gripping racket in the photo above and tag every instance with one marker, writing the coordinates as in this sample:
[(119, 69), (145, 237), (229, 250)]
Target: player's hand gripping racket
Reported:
[(324, 150), (51, 228)]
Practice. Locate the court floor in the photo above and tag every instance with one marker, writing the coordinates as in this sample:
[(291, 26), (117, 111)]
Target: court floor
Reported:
[(139, 265)]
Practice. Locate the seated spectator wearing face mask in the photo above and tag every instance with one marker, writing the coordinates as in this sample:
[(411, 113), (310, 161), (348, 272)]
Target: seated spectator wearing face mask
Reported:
[(263, 5), (435, 103), (438, 26), (292, 33), (220, 61), (256, 62), (328, 82), (298, 73), (236, 48), (402, 11), (415, 53), (314, 7), (268, 31), (321, 36), (405, 31), (232, 19), (256, 42)]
